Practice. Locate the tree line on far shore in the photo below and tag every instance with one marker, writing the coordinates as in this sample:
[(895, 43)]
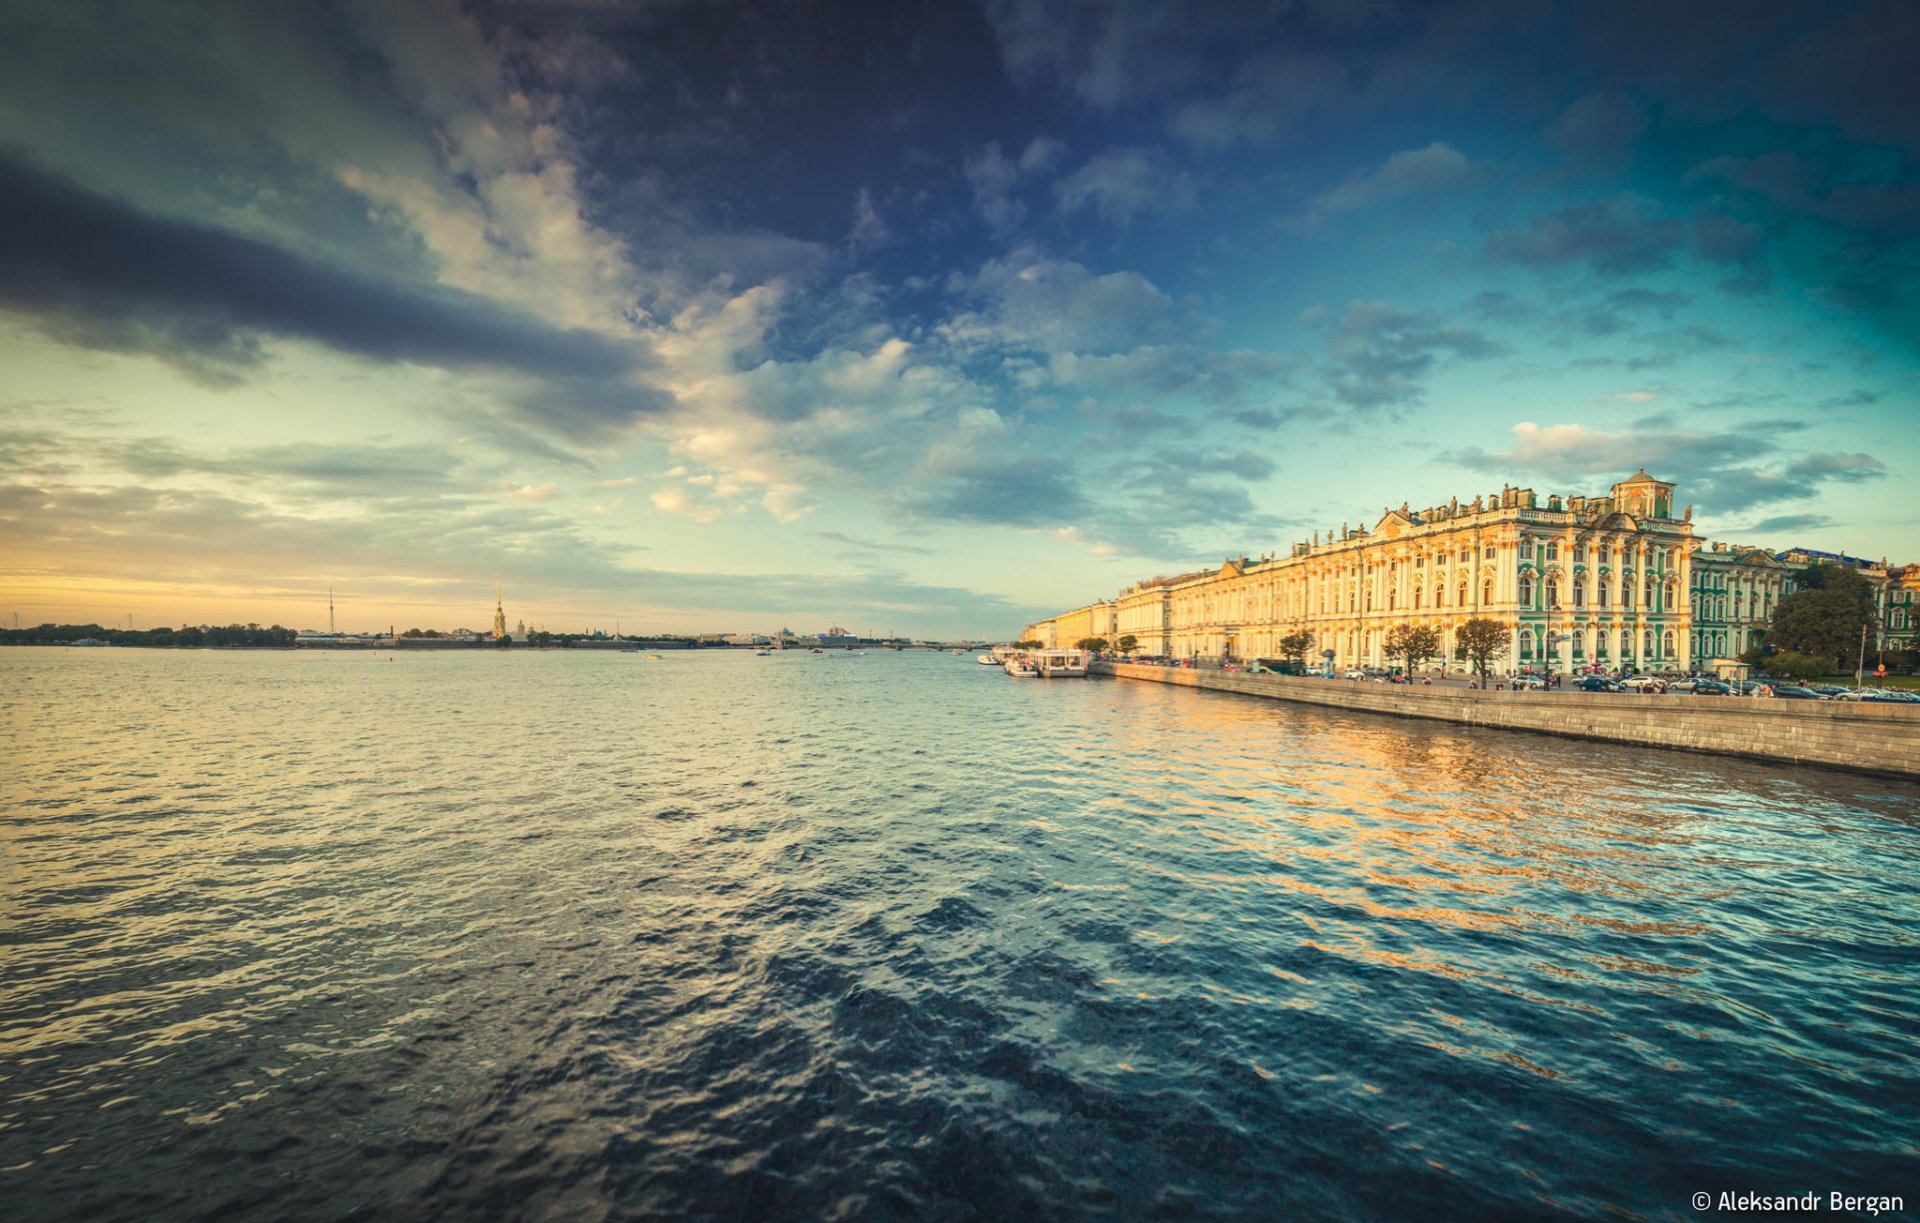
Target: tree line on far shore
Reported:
[(185, 637)]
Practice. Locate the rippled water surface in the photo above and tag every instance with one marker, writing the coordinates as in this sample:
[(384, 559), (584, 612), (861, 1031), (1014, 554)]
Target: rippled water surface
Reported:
[(539, 934)]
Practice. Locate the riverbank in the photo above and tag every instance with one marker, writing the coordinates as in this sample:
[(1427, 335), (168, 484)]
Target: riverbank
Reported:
[(1879, 739)]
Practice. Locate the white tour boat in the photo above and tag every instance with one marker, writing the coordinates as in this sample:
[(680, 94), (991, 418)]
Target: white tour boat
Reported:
[(1062, 664)]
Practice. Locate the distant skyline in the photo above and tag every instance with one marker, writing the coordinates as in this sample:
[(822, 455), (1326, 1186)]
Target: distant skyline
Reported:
[(922, 318)]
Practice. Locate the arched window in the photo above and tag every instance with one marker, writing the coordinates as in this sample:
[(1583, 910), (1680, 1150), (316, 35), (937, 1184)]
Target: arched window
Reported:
[(1526, 548), (1439, 594), (1393, 597), (1553, 592), (1666, 646), (1579, 643), (1606, 592), (1650, 605), (1579, 592), (1486, 593), (1672, 593), (1463, 592), (1526, 590), (1526, 643), (1693, 644), (1419, 594), (1368, 597), (1626, 643), (1600, 644), (1553, 549), (1648, 642), (1626, 596)]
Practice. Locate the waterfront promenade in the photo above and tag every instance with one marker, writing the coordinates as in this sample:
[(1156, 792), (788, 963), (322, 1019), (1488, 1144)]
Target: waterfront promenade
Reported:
[(1879, 739)]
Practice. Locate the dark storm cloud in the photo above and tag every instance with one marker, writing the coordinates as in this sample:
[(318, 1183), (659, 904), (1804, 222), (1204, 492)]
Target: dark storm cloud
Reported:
[(96, 272)]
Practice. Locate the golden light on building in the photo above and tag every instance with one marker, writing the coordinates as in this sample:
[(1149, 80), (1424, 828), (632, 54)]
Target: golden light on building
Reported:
[(1618, 580)]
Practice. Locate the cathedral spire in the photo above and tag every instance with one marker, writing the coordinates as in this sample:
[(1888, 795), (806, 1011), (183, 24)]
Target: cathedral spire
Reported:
[(499, 611)]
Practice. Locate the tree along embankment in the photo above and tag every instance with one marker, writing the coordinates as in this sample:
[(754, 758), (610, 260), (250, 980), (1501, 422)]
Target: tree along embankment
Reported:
[(1882, 739)]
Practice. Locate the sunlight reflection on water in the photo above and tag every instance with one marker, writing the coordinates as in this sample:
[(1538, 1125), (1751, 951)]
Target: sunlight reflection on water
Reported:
[(519, 933)]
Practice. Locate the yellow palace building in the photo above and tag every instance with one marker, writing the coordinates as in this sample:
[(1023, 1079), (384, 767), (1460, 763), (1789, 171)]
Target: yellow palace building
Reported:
[(1580, 580)]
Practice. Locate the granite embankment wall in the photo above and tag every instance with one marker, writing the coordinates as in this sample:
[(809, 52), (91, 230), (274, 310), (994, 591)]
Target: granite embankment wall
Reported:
[(1883, 739)]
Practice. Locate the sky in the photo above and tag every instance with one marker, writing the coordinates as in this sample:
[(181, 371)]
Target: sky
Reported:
[(923, 319)]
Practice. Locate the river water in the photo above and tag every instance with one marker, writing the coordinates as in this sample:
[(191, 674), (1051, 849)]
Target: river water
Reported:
[(524, 934)]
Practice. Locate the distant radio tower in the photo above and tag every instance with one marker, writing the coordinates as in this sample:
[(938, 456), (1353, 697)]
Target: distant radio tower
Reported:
[(330, 632)]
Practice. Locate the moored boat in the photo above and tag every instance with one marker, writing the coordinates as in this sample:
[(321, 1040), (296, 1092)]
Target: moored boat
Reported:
[(1061, 664)]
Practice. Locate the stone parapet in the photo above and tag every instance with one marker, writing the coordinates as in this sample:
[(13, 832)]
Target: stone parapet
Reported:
[(1880, 739)]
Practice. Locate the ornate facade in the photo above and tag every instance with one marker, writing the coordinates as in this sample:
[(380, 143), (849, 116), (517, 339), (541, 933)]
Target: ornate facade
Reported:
[(1064, 630), (1618, 580)]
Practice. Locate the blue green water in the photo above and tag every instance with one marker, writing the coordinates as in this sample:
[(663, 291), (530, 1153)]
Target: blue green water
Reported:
[(545, 935)]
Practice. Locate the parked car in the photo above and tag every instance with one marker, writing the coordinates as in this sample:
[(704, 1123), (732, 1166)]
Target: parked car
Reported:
[(1598, 683), (1644, 683), (1711, 687), (1830, 691), (1793, 692), (1884, 696), (1684, 684), (1353, 673), (1530, 681)]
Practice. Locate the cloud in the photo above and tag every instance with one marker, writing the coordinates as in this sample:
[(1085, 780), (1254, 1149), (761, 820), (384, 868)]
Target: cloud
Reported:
[(1027, 300), (1795, 184), (1599, 131), (869, 231), (1838, 468), (681, 501), (1382, 355), (1270, 96), (1121, 184), (1041, 154), (95, 272), (1106, 55), (994, 179), (998, 488), (1727, 472), (1852, 399), (1783, 523), (1628, 397), (1616, 236), (1224, 379), (531, 494), (869, 547), (1434, 170), (1665, 304)]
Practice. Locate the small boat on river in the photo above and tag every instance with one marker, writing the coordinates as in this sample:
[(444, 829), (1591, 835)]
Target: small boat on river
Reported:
[(1022, 668)]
